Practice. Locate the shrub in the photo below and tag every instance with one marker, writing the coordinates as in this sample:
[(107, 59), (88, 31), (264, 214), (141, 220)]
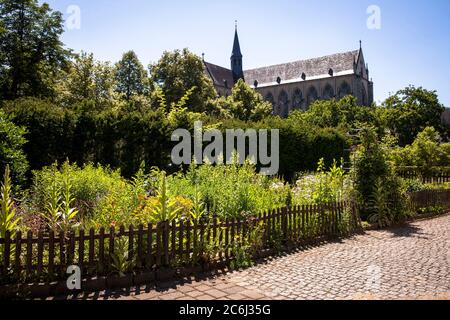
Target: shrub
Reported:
[(12, 141), (378, 190), (8, 219)]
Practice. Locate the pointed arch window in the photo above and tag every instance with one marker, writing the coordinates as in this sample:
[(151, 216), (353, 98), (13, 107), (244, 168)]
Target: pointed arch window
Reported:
[(297, 99), (313, 95), (328, 92), (269, 98), (344, 90), (283, 104)]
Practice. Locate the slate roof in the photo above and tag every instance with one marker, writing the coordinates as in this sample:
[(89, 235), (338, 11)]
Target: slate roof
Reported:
[(219, 75), (341, 63)]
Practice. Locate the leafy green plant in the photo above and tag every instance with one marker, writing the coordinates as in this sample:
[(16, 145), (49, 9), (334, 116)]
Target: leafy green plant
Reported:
[(242, 257), (121, 260), (198, 210), (380, 206), (60, 214), (166, 208), (8, 219)]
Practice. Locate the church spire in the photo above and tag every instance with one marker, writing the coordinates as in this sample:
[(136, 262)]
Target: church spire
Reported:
[(236, 58), (236, 45)]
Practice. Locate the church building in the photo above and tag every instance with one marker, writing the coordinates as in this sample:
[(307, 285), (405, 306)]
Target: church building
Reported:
[(296, 85)]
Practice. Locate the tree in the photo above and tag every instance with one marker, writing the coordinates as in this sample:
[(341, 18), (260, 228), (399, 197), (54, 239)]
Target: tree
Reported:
[(31, 52), (179, 71), (87, 80), (247, 104), (244, 103), (426, 153), (411, 110), (344, 112), (131, 76)]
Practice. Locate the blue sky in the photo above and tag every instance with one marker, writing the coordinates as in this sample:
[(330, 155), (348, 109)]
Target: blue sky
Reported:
[(412, 46)]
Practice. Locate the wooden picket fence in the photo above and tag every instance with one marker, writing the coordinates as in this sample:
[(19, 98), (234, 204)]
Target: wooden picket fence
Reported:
[(439, 199), (45, 257), (435, 175)]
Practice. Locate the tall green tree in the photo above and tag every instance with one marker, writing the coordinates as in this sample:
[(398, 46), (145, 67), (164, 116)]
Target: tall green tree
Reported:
[(131, 76), (31, 53), (244, 103), (178, 72), (87, 80), (411, 110)]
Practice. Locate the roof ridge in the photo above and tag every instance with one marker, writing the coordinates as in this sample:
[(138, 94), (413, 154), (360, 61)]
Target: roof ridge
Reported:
[(302, 60), (216, 65)]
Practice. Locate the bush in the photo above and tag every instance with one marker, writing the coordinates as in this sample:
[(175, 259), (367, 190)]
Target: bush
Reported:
[(378, 190), (11, 149), (89, 186), (426, 153)]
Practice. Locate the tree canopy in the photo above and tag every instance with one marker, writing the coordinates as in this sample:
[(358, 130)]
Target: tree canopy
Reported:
[(131, 77), (31, 52), (179, 71), (411, 110)]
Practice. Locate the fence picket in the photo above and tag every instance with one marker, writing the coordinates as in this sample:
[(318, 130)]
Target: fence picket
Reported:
[(101, 250), (17, 254), (51, 253), (29, 256), (166, 242), (81, 249), (112, 239), (139, 245), (40, 253), (149, 259), (62, 255), (7, 252)]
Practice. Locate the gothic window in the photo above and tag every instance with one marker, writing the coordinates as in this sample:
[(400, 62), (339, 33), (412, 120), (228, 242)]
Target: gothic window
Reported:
[(363, 96), (283, 104), (344, 90), (297, 99), (312, 95), (328, 92), (269, 98)]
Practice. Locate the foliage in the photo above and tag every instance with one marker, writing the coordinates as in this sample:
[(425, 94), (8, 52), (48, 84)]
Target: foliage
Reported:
[(345, 113), (122, 262), (177, 72), (12, 141), (411, 110), (8, 219), (165, 208), (87, 84), (376, 185), (121, 140), (425, 153), (244, 103), (131, 76), (59, 212), (323, 187), (230, 190), (31, 52)]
